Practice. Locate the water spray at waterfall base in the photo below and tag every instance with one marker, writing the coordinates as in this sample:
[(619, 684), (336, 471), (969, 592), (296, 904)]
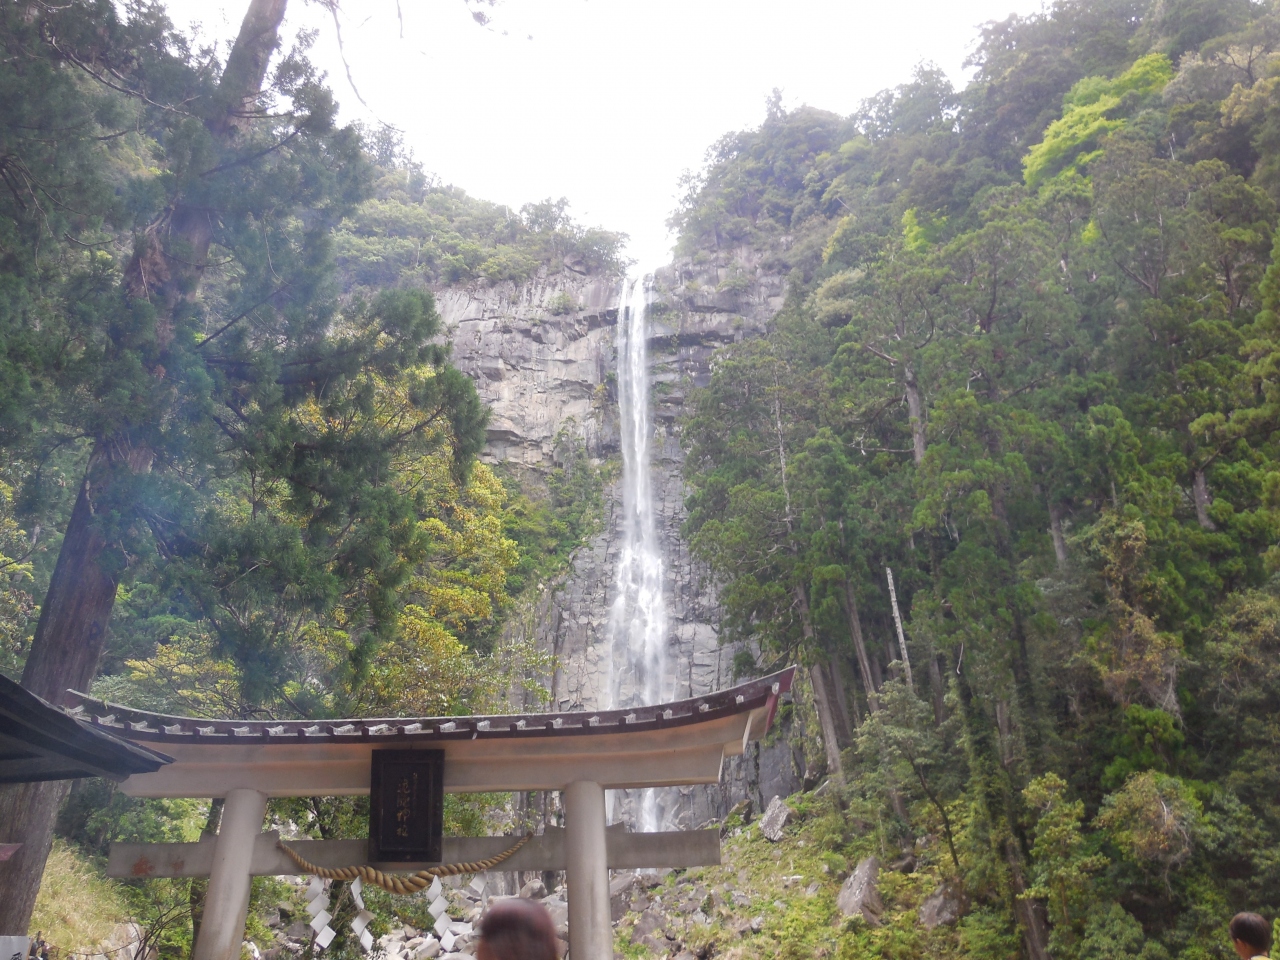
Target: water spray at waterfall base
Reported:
[(638, 615)]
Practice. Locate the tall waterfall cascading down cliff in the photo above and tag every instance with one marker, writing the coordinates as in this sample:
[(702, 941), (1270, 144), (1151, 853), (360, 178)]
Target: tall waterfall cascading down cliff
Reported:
[(638, 614), (548, 374)]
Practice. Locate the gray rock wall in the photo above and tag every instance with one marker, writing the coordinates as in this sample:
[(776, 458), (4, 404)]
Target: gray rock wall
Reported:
[(539, 371), (542, 355)]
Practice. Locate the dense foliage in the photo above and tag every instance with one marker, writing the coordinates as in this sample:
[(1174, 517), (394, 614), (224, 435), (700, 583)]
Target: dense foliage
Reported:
[(1028, 363), (267, 462), (312, 470), (415, 230), (239, 474)]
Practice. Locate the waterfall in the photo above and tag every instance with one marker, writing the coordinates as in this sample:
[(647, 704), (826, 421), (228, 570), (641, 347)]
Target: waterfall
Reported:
[(638, 615)]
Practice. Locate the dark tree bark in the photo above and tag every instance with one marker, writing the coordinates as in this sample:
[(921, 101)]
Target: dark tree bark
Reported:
[(69, 639), (860, 647), (826, 720), (72, 630), (1030, 913), (821, 695), (1028, 700), (27, 813), (848, 718)]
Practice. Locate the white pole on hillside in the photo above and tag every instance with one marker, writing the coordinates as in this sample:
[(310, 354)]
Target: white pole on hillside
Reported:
[(902, 640)]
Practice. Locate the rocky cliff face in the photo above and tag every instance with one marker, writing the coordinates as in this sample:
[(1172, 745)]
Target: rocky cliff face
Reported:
[(542, 355)]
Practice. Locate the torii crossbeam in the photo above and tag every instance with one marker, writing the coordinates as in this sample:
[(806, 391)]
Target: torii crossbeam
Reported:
[(582, 754)]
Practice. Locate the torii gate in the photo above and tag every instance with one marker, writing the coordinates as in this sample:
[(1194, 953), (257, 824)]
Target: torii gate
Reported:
[(581, 754)]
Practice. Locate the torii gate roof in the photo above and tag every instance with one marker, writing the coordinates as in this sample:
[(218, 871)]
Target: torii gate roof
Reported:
[(669, 744)]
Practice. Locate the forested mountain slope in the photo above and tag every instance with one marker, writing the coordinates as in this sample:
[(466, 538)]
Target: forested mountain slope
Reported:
[(1028, 362)]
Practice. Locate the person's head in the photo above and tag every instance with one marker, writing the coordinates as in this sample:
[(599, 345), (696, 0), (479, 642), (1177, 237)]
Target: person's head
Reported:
[(1250, 934), (517, 929)]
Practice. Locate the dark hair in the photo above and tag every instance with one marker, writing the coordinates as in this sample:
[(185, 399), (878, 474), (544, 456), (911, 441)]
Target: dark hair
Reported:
[(517, 929), (1251, 929)]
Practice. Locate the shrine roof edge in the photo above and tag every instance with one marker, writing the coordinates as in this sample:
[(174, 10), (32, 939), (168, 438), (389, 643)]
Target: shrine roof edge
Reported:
[(143, 725)]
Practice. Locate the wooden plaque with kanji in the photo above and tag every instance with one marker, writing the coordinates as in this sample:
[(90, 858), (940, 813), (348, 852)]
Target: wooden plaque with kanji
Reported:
[(406, 806)]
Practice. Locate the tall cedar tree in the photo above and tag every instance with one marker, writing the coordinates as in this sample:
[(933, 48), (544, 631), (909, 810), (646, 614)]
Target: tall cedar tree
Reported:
[(166, 387)]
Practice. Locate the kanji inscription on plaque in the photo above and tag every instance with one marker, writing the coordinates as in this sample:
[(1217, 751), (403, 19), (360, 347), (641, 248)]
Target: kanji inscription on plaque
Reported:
[(406, 806)]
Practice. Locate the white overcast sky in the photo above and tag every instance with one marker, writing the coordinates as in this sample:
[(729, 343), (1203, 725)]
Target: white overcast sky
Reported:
[(607, 102)]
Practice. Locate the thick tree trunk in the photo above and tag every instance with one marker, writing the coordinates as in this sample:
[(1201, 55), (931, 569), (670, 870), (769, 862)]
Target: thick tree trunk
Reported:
[(827, 721), (1004, 727), (68, 644), (246, 72), (877, 674), (848, 718), (1030, 913), (860, 646), (72, 629), (1020, 657), (936, 669), (821, 695), (915, 410), (27, 813), (1200, 493)]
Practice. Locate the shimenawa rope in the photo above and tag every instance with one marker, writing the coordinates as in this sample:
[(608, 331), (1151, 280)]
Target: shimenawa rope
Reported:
[(398, 883)]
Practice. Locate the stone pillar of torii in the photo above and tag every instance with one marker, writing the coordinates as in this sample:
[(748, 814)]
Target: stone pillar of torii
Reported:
[(580, 754)]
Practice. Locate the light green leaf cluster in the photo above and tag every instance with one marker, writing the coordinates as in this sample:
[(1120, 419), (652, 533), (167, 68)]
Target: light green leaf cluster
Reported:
[(1089, 114)]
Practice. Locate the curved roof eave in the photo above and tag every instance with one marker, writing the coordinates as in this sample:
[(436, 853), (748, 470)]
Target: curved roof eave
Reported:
[(146, 726)]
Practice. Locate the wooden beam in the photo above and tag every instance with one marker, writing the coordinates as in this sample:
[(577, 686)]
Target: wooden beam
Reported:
[(626, 851)]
